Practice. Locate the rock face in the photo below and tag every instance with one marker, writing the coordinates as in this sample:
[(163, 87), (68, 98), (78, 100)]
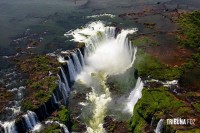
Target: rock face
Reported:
[(113, 126)]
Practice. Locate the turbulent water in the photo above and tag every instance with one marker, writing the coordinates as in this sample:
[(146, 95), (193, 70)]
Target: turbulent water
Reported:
[(107, 53)]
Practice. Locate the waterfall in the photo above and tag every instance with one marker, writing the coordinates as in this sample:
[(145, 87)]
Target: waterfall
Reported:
[(77, 63), (65, 80), (45, 109), (61, 59), (62, 87), (110, 32), (54, 99), (105, 54), (81, 58), (159, 126), (31, 121), (9, 127), (64, 93), (72, 72), (134, 96), (65, 129)]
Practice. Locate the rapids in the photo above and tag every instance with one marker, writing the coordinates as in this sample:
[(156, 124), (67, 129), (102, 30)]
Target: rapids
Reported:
[(106, 53)]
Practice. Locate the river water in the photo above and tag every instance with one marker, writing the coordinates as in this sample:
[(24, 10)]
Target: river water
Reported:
[(47, 21)]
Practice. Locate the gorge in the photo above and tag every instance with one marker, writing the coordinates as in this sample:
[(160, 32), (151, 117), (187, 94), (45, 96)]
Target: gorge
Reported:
[(106, 66), (106, 52)]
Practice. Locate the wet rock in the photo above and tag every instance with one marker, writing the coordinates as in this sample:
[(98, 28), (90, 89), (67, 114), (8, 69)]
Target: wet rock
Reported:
[(1, 129), (5, 97), (153, 84)]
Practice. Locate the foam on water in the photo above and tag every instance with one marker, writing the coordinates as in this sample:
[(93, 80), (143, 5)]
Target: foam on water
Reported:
[(105, 54)]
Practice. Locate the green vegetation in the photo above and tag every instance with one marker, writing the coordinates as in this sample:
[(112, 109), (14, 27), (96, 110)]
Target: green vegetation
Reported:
[(53, 128), (42, 80), (144, 40), (27, 105), (184, 110), (74, 126), (197, 106), (62, 115), (190, 131), (189, 34), (147, 65), (155, 102), (39, 64), (80, 44), (119, 84)]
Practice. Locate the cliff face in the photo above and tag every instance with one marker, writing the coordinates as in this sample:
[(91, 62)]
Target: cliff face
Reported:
[(48, 87)]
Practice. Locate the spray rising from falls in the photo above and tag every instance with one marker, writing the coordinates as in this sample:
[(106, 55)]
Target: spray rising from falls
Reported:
[(106, 53)]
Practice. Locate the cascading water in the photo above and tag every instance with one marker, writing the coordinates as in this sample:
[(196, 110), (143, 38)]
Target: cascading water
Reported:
[(72, 72), (65, 80), (134, 96), (77, 63), (63, 90), (9, 127), (81, 58), (54, 99), (159, 126), (31, 120), (105, 54)]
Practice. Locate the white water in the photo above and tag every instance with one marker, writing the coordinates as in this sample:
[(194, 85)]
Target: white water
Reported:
[(159, 126), (65, 129), (31, 120), (9, 127), (105, 55), (77, 63), (166, 83), (63, 89), (134, 96), (16, 108), (65, 80), (61, 59), (101, 15), (72, 72)]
